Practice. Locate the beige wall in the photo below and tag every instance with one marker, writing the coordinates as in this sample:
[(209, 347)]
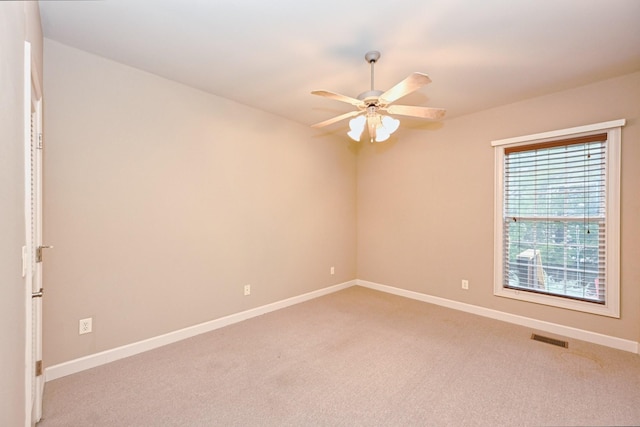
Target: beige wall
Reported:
[(162, 202), (425, 202), (18, 22)]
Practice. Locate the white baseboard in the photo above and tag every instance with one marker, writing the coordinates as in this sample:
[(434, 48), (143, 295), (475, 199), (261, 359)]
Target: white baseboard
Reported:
[(97, 359), (567, 331)]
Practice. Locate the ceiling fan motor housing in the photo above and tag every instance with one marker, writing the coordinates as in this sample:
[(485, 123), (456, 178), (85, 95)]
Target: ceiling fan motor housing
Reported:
[(370, 97)]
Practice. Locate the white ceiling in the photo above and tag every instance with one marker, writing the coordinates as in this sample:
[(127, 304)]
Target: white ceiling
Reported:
[(272, 54)]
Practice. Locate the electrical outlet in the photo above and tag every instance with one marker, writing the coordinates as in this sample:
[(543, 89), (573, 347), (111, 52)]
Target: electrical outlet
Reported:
[(85, 326), (465, 284), (333, 270), (247, 290)]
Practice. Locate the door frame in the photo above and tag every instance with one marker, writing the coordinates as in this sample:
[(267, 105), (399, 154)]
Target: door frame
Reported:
[(32, 270)]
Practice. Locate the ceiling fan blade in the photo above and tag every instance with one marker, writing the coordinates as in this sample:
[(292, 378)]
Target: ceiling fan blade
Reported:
[(338, 97), (414, 111), (412, 83), (336, 119)]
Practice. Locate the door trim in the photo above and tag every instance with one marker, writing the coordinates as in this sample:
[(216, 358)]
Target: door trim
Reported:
[(34, 385)]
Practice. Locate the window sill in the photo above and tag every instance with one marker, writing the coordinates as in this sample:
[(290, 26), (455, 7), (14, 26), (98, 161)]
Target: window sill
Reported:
[(560, 302)]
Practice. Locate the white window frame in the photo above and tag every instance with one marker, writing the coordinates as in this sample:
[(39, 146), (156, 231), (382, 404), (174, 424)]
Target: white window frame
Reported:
[(611, 307)]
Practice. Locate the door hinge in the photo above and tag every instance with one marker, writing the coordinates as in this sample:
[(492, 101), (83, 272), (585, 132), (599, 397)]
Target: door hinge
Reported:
[(39, 144), (38, 368), (39, 252)]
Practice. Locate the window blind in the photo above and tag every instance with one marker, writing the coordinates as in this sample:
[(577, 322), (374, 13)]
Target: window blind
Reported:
[(554, 218)]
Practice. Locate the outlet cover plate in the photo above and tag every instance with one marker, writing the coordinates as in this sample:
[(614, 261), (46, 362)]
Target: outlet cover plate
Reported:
[(85, 326)]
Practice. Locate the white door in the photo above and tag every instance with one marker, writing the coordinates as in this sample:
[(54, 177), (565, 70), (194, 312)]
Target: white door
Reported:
[(33, 250), (36, 285)]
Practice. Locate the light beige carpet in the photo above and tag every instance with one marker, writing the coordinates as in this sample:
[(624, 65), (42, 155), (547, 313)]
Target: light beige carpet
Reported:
[(356, 358)]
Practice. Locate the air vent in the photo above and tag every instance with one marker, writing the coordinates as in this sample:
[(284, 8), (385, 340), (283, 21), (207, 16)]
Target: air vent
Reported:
[(548, 340)]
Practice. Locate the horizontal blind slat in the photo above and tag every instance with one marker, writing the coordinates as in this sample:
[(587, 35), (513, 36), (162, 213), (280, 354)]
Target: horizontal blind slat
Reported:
[(554, 204)]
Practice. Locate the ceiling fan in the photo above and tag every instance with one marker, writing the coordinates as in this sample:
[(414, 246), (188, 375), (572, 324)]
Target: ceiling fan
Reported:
[(371, 104)]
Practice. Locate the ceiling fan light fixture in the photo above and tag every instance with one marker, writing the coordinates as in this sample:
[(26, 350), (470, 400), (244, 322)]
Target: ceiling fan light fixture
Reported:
[(381, 127), (354, 135), (357, 127), (382, 134), (390, 124)]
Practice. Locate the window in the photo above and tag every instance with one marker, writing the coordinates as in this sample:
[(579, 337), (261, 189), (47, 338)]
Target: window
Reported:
[(557, 229)]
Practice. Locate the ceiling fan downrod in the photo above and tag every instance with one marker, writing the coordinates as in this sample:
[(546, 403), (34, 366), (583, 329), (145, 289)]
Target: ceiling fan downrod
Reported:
[(371, 96), (372, 57)]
